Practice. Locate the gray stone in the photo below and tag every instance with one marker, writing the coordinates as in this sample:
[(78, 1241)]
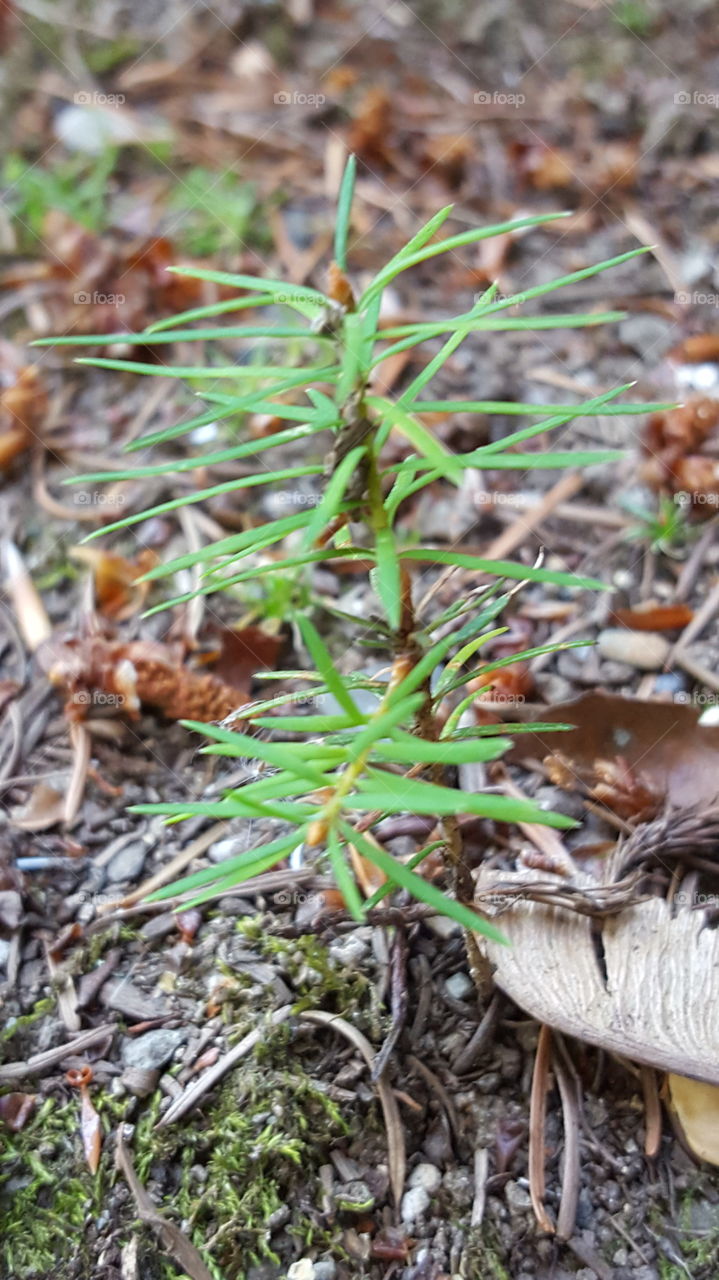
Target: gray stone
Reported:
[(517, 1197), (128, 863), (645, 650), (459, 1184), (140, 1080), (459, 986), (649, 335), (227, 848), (152, 1050), (355, 1197)]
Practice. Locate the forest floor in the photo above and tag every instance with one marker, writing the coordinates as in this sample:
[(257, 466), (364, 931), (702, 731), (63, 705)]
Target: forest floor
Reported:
[(142, 135)]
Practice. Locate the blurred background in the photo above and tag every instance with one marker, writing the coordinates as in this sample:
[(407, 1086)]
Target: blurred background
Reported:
[(219, 131)]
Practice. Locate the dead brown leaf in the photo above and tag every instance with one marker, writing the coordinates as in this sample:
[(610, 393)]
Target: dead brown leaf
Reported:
[(102, 284), (371, 127), (45, 807), (16, 1109), (235, 653), (697, 349), (662, 743), (695, 1106), (654, 617), (118, 594)]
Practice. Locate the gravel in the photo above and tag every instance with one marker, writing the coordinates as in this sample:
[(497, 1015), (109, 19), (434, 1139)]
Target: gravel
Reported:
[(152, 1050)]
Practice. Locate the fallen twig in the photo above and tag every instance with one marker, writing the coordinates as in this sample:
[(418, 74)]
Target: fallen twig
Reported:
[(50, 1057), (199, 1087), (174, 1240)]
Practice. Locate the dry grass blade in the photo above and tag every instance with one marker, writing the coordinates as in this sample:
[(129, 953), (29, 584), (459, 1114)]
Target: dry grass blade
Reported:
[(567, 1085), (29, 609), (172, 868), (81, 747), (546, 840), (174, 1240), (537, 1122), (652, 1113)]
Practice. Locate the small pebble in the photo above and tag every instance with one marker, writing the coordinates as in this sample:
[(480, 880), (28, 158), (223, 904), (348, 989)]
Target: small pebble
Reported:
[(325, 1269), (459, 986), (355, 1197), (349, 951), (427, 1176), (303, 1269), (128, 863), (415, 1202), (142, 1081), (517, 1198), (645, 650), (153, 1050), (227, 848), (442, 926)]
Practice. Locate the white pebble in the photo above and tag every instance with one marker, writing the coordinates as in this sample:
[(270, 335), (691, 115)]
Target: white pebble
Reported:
[(646, 650), (303, 1269), (425, 1175), (415, 1202), (459, 986)]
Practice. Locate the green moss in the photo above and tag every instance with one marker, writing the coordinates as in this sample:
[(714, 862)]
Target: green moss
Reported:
[(252, 1147), (15, 1026), (257, 1148), (47, 1194), (699, 1246), (481, 1254)]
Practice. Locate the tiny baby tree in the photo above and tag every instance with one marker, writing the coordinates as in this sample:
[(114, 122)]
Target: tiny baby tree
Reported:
[(332, 775)]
